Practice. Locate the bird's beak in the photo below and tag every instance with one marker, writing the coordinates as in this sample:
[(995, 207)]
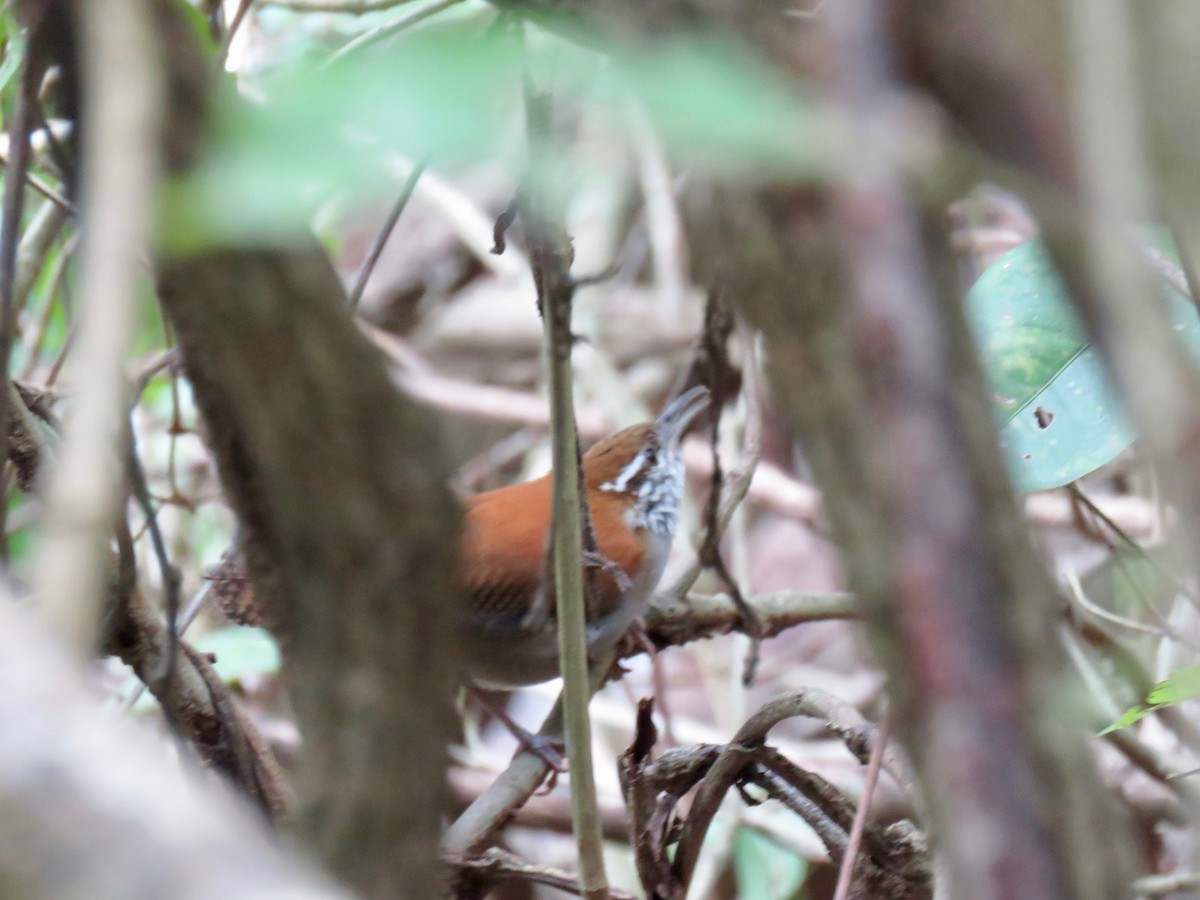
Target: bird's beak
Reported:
[(678, 414)]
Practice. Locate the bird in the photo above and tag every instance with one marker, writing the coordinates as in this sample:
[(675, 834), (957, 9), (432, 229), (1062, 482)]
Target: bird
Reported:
[(634, 482)]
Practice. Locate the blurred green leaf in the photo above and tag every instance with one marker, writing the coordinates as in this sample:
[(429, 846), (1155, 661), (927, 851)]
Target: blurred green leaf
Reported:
[(764, 870), (720, 110), (1135, 714), (241, 652), (1182, 685), (1059, 417), (14, 53), (452, 95), (22, 541), (200, 27), (151, 332), (1130, 582)]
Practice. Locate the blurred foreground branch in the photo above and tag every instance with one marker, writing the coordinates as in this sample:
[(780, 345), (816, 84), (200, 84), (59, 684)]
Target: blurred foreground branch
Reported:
[(120, 170), (198, 704), (351, 541), (87, 813), (349, 532)]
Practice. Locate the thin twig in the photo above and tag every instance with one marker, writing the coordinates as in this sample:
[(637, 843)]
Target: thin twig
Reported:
[(1076, 594), (190, 613), (394, 27), (381, 239), (664, 228), (860, 737), (239, 16), (1188, 267), (170, 574), (846, 871), (672, 622), (551, 254), (718, 372), (1173, 274), (39, 237), (43, 314), (497, 865), (1180, 585), (350, 7), (1162, 885), (830, 833), (737, 482), (10, 235), (120, 171), (43, 188)]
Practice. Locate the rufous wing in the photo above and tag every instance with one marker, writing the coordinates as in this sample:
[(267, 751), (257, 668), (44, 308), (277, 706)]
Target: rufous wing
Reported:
[(504, 551)]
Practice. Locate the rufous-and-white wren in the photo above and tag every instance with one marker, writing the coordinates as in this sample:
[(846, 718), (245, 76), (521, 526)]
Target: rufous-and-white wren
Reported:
[(634, 487)]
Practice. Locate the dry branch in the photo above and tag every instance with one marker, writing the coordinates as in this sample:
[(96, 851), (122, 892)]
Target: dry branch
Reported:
[(672, 622), (894, 861), (349, 534), (95, 808), (123, 94), (199, 705), (551, 255)]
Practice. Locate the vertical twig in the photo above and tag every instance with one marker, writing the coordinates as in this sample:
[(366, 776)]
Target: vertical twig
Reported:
[(718, 372), (122, 92), (10, 234), (239, 16), (874, 764), (551, 254), (381, 239), (170, 574)]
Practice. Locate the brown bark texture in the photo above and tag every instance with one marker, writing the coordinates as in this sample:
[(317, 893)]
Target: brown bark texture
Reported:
[(348, 529), (349, 534)]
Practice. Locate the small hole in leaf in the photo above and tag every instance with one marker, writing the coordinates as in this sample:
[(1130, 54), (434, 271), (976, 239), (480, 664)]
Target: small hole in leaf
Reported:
[(1044, 417)]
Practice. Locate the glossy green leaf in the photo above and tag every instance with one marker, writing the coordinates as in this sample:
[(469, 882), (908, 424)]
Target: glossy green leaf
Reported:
[(1059, 417)]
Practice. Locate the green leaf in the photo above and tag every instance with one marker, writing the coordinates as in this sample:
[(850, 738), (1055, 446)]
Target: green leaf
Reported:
[(200, 26), (1131, 582), (323, 129), (451, 95), (14, 54), (1059, 416), (720, 110), (1135, 714), (764, 870), (1182, 685), (241, 652)]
